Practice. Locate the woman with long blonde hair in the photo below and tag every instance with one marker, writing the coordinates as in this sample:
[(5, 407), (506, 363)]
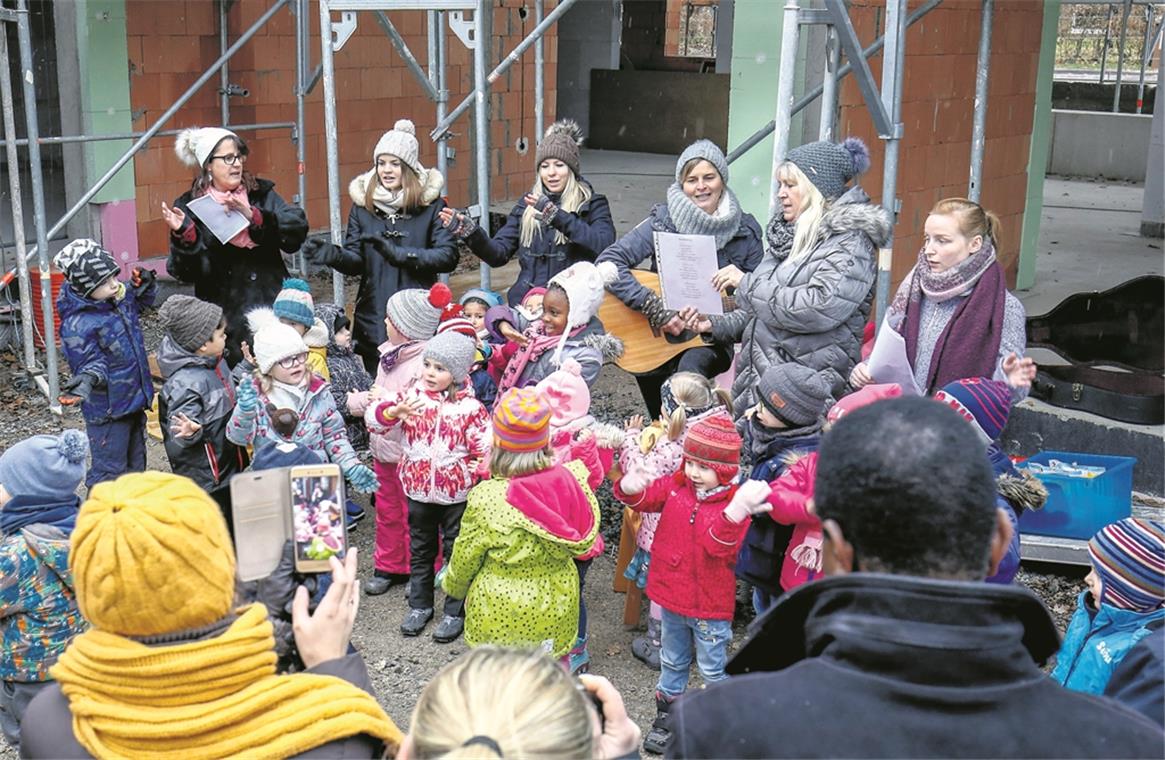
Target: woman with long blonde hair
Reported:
[(810, 298), (394, 241), (561, 221)]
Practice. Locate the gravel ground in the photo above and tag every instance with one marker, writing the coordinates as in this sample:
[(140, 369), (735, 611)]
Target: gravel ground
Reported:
[(400, 666)]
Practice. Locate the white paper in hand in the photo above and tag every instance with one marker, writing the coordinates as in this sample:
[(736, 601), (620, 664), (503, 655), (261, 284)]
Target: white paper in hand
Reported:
[(223, 223), (686, 265), (888, 362)]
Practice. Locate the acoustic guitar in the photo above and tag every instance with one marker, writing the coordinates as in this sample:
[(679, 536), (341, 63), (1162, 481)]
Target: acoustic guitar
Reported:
[(644, 349)]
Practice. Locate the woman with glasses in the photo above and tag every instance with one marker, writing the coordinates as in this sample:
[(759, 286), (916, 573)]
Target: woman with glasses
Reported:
[(246, 269)]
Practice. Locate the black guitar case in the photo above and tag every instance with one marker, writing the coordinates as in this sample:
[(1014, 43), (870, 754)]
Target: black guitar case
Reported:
[(1121, 327)]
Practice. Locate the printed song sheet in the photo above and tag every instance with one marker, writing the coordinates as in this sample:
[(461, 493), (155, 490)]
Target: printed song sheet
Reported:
[(224, 223), (686, 265), (888, 362)]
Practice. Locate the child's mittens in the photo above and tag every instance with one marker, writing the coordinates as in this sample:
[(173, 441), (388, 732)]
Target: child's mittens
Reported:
[(634, 482), (750, 499), (247, 397), (77, 389), (142, 279), (362, 478)]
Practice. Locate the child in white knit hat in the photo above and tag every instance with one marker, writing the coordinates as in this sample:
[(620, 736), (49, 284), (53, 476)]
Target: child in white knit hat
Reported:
[(568, 328)]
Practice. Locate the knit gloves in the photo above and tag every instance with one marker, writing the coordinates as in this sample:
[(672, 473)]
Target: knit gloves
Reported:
[(362, 478), (76, 389), (657, 314), (546, 209), (247, 397), (750, 499), (320, 250), (142, 280), (461, 225)]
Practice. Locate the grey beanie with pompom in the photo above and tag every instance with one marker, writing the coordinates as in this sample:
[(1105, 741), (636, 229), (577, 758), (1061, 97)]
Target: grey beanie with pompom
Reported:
[(829, 165), (48, 467)]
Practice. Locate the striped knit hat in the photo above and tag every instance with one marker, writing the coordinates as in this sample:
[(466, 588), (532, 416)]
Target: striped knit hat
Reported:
[(714, 442), (294, 302), (415, 313), (1129, 556), (982, 402), (521, 421)]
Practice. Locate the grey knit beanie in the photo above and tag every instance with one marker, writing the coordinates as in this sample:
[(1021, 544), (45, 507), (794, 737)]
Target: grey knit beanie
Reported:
[(830, 166), (453, 351), (707, 150), (561, 141), (794, 393), (190, 321), (415, 312)]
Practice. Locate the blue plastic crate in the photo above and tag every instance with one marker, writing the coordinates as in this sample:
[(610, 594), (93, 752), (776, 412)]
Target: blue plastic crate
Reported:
[(1078, 507)]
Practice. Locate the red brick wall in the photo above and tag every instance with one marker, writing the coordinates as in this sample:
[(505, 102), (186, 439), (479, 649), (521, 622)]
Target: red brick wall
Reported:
[(937, 111), (171, 42)]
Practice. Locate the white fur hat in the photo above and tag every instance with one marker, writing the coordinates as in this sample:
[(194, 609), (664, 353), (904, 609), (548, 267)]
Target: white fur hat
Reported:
[(195, 145), (585, 286), (273, 341), (401, 141)]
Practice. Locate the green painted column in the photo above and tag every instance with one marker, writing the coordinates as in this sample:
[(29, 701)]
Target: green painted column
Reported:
[(103, 55), (756, 51), (1041, 141)]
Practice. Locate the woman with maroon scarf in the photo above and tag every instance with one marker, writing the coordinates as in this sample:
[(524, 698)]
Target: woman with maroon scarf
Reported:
[(954, 310)]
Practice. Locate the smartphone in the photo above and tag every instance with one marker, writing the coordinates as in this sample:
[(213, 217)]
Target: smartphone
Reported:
[(261, 520), (318, 528)]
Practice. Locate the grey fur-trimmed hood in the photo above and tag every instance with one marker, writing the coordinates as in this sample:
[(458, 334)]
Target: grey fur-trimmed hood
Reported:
[(854, 212)]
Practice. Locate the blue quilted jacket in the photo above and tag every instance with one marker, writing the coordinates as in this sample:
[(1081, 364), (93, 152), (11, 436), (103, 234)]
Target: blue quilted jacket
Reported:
[(1096, 642), (104, 338)]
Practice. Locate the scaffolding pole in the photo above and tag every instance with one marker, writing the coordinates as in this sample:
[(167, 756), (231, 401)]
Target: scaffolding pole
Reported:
[(442, 96), (829, 86), (28, 78), (480, 124), (1120, 57), (979, 126), (331, 141), (149, 133), (1104, 45), (515, 55), (224, 77), (757, 137), (540, 81), (1146, 54), (892, 70), (790, 33), (17, 205), (302, 64)]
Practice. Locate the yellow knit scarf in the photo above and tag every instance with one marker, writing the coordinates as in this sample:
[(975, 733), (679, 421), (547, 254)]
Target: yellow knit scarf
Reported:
[(213, 698)]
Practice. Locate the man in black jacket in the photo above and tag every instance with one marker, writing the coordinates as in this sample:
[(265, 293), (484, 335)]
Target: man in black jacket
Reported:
[(903, 651)]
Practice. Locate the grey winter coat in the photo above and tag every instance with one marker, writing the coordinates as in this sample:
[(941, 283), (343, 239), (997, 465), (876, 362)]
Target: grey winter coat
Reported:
[(201, 388), (811, 310), (47, 727)]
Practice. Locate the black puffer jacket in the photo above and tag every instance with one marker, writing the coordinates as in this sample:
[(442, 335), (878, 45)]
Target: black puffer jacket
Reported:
[(587, 232), (417, 234), (238, 279), (865, 665)]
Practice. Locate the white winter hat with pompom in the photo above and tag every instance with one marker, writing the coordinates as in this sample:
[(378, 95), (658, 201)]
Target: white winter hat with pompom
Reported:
[(401, 141), (195, 145)]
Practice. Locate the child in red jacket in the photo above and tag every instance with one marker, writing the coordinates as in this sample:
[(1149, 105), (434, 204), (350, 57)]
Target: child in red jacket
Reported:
[(700, 530)]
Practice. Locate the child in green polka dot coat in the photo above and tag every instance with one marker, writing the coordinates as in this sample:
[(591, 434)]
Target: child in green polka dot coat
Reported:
[(513, 561)]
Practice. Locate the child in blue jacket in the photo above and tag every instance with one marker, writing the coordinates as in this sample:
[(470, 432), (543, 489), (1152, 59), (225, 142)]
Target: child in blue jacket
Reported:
[(102, 342), (1125, 594)]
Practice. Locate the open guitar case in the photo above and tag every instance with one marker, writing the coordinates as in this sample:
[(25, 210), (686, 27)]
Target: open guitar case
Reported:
[(1115, 343)]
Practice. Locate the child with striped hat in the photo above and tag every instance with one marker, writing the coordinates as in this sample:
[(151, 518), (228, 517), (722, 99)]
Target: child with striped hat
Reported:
[(519, 536), (1124, 603)]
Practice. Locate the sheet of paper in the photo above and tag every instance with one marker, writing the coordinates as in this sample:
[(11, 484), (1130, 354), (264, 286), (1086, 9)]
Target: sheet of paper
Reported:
[(888, 362), (224, 223), (686, 265)]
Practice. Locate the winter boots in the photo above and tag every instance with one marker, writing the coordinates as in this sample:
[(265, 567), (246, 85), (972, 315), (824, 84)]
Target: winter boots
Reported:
[(646, 648), (659, 736), (580, 658)]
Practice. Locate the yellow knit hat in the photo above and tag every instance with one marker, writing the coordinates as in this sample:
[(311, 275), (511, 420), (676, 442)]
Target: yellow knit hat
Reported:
[(150, 555)]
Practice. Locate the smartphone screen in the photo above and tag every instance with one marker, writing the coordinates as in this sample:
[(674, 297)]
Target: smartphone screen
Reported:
[(317, 516)]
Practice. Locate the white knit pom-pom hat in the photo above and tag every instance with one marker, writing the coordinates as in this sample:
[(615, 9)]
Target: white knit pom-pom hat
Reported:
[(194, 145), (401, 141)]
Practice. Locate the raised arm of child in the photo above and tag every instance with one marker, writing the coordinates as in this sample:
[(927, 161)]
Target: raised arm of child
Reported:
[(241, 426)]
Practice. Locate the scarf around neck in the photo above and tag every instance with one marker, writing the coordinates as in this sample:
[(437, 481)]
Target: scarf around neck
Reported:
[(285, 396), (538, 344), (23, 511), (243, 239), (690, 219), (214, 697), (977, 324), (779, 236)]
